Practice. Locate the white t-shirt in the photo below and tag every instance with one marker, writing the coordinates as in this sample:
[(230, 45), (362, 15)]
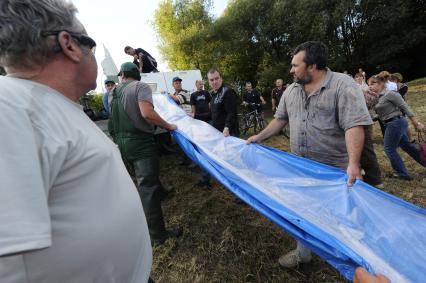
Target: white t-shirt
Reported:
[(391, 86), (69, 211)]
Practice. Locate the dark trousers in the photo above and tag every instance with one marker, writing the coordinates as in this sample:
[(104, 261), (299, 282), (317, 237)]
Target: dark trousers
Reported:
[(150, 192), (369, 159)]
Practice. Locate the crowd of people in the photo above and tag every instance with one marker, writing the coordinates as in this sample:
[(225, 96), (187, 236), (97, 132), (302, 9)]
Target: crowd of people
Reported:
[(62, 177), (385, 99)]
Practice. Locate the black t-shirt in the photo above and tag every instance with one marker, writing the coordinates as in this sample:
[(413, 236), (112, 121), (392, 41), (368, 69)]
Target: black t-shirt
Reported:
[(403, 90), (277, 93), (201, 99), (252, 97), (224, 110), (149, 62)]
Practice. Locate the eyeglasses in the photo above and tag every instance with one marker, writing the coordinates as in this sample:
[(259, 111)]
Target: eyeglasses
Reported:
[(81, 38)]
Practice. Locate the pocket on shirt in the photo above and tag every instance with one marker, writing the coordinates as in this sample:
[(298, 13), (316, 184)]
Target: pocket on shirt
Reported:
[(324, 118)]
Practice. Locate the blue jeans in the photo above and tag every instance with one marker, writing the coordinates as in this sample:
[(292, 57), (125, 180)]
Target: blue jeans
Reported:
[(396, 136)]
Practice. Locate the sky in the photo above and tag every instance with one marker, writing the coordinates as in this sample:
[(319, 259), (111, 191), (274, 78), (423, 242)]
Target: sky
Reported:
[(117, 24)]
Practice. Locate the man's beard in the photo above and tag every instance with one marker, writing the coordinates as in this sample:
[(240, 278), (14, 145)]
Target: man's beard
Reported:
[(305, 79)]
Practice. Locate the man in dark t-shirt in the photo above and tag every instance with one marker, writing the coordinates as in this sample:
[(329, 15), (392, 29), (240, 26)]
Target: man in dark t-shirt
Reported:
[(277, 93), (251, 96), (141, 58), (200, 103)]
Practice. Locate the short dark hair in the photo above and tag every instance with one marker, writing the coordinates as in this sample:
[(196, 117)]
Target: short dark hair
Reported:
[(127, 48), (316, 53), (132, 74), (214, 70)]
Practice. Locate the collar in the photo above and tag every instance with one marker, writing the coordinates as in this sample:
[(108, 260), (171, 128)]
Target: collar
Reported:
[(218, 90), (328, 77), (384, 92), (180, 91), (325, 84)]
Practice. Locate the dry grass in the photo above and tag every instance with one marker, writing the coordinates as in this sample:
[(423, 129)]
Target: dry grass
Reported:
[(227, 241)]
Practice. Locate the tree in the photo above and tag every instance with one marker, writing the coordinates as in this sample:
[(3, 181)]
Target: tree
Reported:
[(178, 24), (254, 39)]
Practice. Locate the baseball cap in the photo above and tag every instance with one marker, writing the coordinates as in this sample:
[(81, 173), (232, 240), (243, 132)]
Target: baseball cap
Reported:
[(109, 81), (128, 67), (177, 79)]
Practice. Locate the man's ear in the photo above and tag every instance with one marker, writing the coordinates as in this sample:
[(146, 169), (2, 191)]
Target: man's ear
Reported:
[(311, 67), (69, 47)]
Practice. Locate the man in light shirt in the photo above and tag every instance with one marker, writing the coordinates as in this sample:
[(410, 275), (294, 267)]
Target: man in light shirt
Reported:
[(323, 126)]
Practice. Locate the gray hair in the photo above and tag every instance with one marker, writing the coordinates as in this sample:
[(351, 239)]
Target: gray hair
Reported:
[(22, 24)]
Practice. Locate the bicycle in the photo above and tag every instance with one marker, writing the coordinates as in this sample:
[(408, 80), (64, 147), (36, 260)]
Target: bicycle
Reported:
[(251, 119)]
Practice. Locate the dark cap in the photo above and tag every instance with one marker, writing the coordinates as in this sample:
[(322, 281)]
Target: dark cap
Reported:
[(177, 79), (128, 67), (109, 81)]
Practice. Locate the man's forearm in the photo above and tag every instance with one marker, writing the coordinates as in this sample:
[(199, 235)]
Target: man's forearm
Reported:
[(274, 127), (354, 138), (152, 117), (155, 119)]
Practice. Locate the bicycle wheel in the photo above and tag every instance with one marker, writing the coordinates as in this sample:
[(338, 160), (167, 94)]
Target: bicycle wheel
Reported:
[(260, 124), (251, 122), (241, 122)]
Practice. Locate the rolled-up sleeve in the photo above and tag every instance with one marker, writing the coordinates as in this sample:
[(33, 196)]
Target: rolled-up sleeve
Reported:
[(144, 92), (281, 112), (352, 109), (399, 102)]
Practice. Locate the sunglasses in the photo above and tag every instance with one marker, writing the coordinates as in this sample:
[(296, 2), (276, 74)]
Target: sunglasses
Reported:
[(80, 38)]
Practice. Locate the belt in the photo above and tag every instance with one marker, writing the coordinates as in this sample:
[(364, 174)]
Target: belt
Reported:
[(391, 119)]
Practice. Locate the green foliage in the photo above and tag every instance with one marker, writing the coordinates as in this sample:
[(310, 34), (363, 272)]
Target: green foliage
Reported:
[(96, 102), (254, 39), (178, 24), (2, 71), (92, 100)]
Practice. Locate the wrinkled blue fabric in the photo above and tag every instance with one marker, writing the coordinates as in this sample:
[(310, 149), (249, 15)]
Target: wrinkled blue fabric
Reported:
[(346, 226)]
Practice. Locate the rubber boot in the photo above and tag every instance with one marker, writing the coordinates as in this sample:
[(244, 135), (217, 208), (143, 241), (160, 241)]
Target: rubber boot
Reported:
[(149, 188)]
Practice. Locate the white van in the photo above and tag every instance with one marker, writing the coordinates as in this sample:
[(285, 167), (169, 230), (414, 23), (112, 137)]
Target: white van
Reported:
[(161, 83)]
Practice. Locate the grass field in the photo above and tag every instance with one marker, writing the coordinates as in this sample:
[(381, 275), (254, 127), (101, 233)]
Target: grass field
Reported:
[(225, 240)]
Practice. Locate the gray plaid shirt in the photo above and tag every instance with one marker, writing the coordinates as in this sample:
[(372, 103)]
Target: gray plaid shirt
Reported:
[(318, 122)]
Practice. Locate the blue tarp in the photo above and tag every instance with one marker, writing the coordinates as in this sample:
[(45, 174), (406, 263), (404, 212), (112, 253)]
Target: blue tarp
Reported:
[(346, 226)]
